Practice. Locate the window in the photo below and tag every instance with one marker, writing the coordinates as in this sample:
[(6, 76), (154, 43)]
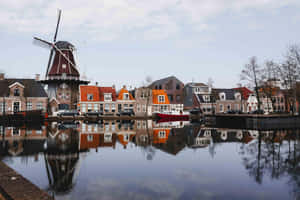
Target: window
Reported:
[(16, 106), (162, 134), (83, 107), (222, 96), (107, 137), (221, 108), (2, 106), (16, 131), (144, 108), (89, 126), (101, 107), (126, 137), (113, 107), (90, 107), (39, 106), (16, 92), (236, 107), (177, 87), (29, 106), (178, 98), (90, 97), (96, 108), (206, 98), (107, 97), (119, 107), (39, 132), (159, 87), (161, 98), (106, 107), (156, 87), (64, 66), (90, 138), (228, 107), (170, 97), (126, 96)]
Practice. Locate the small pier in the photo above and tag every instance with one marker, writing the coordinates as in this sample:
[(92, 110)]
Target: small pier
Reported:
[(13, 186)]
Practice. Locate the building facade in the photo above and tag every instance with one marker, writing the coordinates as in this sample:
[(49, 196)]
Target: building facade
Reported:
[(21, 95), (125, 101), (228, 100)]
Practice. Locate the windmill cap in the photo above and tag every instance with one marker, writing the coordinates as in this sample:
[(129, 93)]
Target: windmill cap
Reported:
[(64, 45)]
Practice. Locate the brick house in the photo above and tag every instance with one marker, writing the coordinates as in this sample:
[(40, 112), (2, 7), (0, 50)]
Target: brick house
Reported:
[(95, 98), (125, 100), (174, 89), (21, 94)]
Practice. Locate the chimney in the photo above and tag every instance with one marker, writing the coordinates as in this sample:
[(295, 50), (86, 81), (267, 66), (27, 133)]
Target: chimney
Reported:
[(113, 86), (37, 77), (124, 86), (2, 76)]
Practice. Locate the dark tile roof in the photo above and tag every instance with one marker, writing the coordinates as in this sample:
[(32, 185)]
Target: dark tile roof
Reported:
[(165, 80), (32, 88), (228, 92)]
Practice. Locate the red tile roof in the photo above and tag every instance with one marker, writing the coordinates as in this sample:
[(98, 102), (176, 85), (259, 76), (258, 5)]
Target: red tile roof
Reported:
[(122, 91)]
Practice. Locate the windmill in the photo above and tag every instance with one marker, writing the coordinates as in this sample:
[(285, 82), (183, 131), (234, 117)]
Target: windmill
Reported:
[(62, 76)]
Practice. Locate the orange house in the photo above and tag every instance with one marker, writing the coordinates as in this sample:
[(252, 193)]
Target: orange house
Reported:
[(125, 138), (125, 100), (160, 101), (160, 136), (95, 98)]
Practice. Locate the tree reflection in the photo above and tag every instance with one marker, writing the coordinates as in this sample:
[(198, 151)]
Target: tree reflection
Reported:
[(274, 153)]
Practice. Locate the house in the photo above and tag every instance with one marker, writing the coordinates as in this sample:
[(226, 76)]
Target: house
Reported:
[(245, 92), (174, 89), (228, 100), (143, 98), (21, 95), (160, 101), (95, 98), (125, 100), (199, 95)]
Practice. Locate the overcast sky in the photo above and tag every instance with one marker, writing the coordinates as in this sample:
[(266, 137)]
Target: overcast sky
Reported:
[(123, 41)]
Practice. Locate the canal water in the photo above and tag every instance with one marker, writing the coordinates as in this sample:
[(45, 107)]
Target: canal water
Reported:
[(149, 160)]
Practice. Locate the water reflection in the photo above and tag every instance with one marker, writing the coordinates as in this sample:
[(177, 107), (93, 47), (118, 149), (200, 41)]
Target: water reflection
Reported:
[(273, 154)]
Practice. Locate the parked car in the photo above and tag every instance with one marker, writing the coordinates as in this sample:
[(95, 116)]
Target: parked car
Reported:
[(125, 113), (72, 113), (93, 113)]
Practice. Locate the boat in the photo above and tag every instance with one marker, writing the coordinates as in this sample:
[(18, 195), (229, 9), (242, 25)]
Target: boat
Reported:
[(162, 117)]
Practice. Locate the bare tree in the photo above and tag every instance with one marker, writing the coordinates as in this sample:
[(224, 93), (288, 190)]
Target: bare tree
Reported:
[(290, 73), (252, 74)]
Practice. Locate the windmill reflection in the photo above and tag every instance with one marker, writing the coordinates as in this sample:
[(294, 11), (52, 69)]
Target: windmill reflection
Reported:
[(62, 157)]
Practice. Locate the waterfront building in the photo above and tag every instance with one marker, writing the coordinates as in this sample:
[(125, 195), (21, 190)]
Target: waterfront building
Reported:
[(95, 98), (227, 100), (199, 96), (143, 98), (174, 89), (21, 95), (125, 101), (160, 102)]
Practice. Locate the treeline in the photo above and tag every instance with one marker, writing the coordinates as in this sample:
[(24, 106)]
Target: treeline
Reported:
[(287, 71)]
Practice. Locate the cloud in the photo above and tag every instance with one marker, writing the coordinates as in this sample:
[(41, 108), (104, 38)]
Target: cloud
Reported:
[(107, 20)]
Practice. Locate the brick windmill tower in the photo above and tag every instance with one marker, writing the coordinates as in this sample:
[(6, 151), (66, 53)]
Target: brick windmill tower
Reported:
[(62, 78)]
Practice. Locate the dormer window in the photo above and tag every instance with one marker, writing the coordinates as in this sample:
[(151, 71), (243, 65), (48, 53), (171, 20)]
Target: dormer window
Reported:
[(16, 92), (90, 97), (162, 134), (107, 97), (177, 87), (237, 96), (222, 96), (161, 99), (126, 96)]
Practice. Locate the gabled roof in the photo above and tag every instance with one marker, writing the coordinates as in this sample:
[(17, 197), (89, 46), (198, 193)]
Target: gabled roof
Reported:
[(165, 80), (103, 90), (121, 96), (32, 88), (192, 84), (244, 91), (16, 83), (89, 89), (228, 92), (156, 93)]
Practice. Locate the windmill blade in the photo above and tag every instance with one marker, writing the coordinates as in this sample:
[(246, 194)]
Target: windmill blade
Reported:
[(49, 62), (57, 25), (43, 41)]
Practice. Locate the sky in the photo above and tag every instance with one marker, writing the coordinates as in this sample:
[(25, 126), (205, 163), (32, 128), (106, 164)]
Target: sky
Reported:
[(122, 42)]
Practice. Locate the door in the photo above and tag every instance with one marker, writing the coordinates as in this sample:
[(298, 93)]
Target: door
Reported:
[(16, 107)]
